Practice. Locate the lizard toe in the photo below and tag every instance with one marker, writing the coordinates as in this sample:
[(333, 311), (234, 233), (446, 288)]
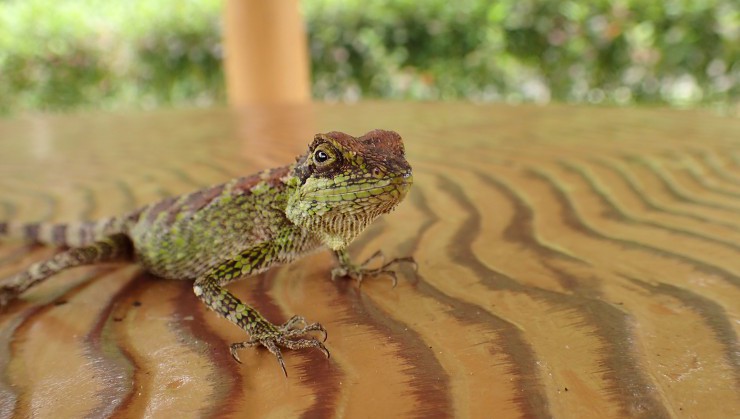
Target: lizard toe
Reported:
[(297, 332), (294, 322)]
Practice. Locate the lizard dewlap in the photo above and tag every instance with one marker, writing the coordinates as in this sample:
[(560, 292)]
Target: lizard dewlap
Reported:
[(243, 227)]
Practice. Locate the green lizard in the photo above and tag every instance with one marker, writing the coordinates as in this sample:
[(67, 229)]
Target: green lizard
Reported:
[(243, 227)]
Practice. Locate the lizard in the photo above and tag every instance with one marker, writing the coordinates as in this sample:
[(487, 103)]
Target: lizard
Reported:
[(243, 227)]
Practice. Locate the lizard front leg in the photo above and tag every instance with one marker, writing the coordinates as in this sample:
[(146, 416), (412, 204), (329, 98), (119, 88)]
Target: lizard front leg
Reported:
[(114, 248), (357, 272), (261, 332)]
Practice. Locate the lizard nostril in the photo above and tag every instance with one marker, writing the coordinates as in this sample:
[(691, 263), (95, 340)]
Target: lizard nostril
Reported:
[(376, 172)]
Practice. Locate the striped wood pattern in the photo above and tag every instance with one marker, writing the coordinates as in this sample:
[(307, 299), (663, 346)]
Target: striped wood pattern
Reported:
[(573, 262)]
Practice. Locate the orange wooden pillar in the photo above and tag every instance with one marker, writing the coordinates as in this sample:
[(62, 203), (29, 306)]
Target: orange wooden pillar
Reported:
[(266, 52)]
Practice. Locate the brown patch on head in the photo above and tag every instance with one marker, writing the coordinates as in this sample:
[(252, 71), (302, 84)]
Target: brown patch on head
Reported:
[(377, 143), (384, 142)]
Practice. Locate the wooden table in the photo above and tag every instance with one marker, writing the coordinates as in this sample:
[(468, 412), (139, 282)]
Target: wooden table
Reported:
[(573, 262)]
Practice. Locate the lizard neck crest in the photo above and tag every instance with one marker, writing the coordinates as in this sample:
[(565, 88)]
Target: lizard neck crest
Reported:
[(344, 183)]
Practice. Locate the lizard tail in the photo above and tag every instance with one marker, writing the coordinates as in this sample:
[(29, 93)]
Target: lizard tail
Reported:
[(67, 234)]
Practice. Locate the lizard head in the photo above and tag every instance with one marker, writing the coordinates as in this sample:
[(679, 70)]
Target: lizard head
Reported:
[(343, 183)]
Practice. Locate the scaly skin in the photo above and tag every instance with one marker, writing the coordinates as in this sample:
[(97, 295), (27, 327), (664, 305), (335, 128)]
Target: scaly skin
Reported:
[(244, 227)]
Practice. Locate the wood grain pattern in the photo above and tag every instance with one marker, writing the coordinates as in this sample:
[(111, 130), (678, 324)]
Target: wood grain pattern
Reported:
[(573, 262)]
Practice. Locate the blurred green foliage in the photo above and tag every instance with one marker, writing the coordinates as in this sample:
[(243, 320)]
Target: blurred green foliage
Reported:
[(680, 52), (65, 54), (68, 54)]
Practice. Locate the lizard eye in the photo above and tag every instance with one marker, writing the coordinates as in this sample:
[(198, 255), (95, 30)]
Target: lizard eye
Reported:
[(320, 156)]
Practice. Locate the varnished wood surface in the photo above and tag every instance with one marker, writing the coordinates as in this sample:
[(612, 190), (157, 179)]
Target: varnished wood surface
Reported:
[(573, 262)]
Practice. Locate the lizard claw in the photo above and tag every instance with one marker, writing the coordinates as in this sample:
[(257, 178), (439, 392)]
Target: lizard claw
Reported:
[(360, 272), (273, 337)]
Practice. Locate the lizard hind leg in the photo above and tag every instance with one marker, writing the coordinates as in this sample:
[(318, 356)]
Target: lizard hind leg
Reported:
[(117, 247), (292, 334)]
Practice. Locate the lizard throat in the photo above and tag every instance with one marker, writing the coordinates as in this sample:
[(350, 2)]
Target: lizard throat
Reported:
[(338, 209)]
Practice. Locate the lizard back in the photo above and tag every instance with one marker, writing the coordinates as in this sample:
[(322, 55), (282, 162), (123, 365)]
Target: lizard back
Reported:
[(184, 237)]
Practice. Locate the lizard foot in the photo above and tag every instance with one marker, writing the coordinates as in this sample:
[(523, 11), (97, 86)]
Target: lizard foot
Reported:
[(289, 335), (361, 271)]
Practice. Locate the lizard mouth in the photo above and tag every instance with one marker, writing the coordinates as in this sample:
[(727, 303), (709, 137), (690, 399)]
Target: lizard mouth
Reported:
[(406, 178), (394, 188)]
